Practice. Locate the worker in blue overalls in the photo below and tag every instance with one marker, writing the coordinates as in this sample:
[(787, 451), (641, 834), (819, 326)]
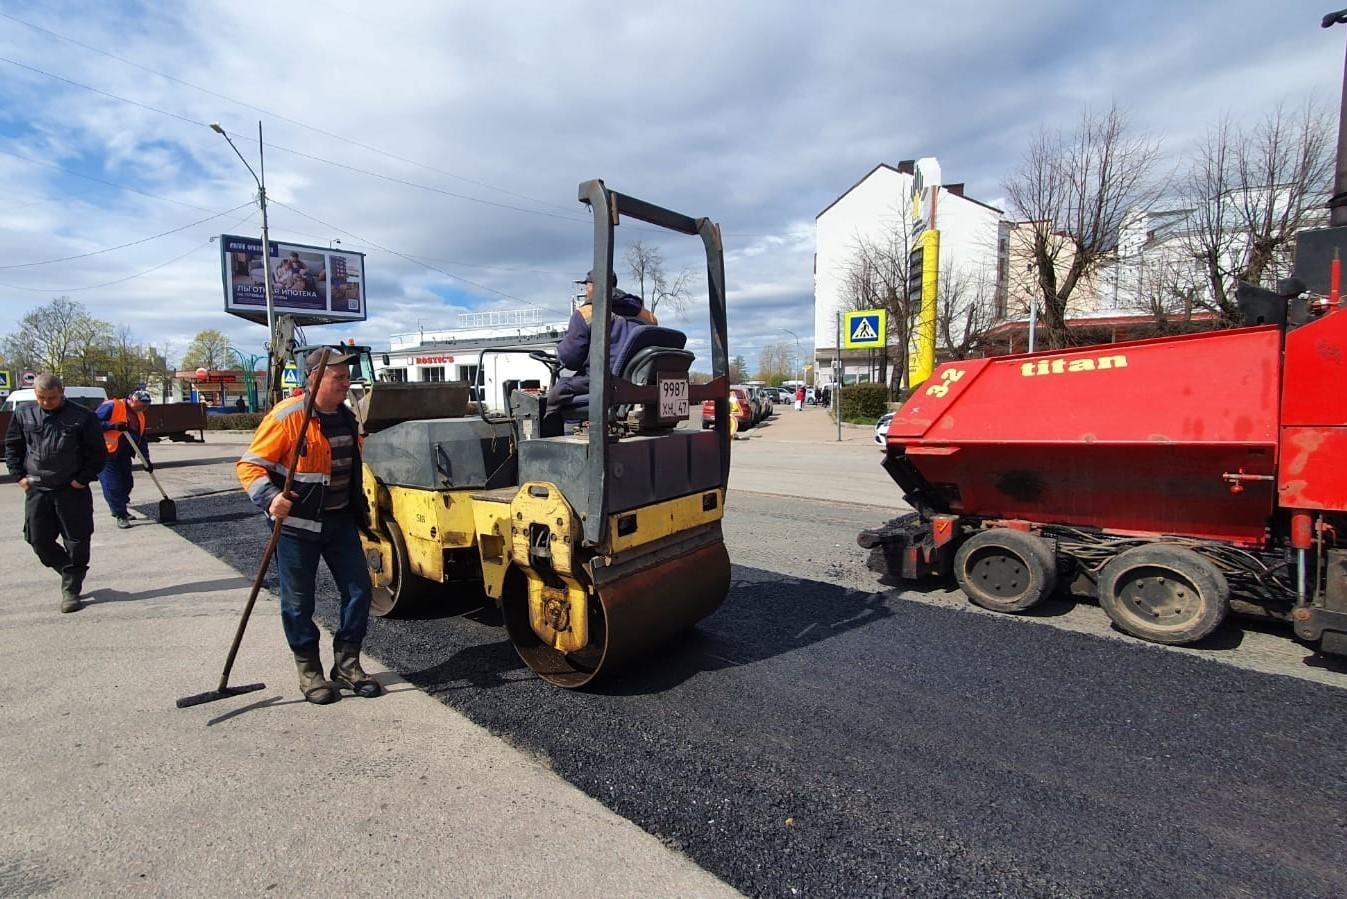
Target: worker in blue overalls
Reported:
[(122, 417)]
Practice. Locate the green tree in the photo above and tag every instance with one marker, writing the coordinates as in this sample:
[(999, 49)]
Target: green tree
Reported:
[(57, 338), (209, 349)]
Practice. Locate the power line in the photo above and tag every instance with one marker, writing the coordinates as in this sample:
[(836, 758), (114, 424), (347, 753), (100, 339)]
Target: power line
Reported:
[(276, 115), (147, 271), (125, 245), (300, 153), (70, 171), (414, 260)]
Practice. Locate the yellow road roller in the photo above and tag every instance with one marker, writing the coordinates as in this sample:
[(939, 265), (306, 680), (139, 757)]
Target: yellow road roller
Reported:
[(597, 544)]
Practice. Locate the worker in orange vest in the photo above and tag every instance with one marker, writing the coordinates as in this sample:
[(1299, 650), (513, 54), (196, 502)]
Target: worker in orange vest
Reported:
[(122, 417)]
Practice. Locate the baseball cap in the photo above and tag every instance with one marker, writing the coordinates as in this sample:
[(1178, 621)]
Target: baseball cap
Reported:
[(589, 278), (333, 358), (142, 395)]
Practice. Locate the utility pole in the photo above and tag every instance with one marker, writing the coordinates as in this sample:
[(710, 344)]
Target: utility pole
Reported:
[(1337, 206), (275, 353)]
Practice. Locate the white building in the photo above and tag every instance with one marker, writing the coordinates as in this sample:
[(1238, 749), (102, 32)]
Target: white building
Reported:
[(472, 352), (879, 209)]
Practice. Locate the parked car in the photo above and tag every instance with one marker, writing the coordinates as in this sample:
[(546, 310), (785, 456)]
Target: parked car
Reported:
[(783, 395), (766, 397), (88, 397), (741, 408), (749, 396), (882, 429)]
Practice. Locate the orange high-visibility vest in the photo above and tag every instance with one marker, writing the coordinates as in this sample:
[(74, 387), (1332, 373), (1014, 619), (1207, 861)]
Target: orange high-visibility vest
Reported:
[(120, 413)]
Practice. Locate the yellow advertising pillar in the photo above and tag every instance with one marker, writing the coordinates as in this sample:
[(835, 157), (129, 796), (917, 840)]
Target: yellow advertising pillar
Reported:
[(922, 362)]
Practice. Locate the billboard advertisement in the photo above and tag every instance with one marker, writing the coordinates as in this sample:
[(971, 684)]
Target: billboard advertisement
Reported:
[(317, 285)]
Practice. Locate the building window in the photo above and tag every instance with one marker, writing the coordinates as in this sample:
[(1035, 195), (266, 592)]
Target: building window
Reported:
[(395, 375), (432, 373)]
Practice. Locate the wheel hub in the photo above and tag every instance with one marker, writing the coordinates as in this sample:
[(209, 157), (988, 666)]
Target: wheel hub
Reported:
[(1160, 597), (1000, 574)]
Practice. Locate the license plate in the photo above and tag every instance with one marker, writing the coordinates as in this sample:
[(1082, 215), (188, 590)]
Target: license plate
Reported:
[(673, 397)]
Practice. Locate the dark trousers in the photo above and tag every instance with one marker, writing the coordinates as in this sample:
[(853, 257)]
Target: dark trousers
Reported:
[(562, 395), (67, 513), (117, 481), (297, 566)]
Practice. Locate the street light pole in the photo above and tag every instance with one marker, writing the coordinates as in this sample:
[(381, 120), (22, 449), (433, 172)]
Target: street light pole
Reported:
[(273, 352)]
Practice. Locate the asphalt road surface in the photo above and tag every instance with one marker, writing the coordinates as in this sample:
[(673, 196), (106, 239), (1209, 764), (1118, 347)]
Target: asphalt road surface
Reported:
[(822, 735)]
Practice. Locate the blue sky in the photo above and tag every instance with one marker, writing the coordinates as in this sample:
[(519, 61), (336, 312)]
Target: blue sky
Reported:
[(455, 134)]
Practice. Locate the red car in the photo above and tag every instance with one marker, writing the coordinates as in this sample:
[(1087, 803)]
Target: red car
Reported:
[(740, 408)]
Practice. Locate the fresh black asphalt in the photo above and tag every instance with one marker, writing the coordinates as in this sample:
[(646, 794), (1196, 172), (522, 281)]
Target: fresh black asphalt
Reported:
[(808, 740)]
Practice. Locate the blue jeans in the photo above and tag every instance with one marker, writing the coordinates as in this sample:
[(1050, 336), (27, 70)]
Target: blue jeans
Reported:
[(297, 566)]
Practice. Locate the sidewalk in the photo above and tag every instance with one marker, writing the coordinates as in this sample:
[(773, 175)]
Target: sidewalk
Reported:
[(112, 790), (798, 454)]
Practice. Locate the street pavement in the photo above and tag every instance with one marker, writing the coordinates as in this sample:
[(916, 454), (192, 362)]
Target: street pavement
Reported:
[(109, 789)]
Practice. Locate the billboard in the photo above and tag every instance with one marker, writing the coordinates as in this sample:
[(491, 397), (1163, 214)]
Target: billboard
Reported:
[(316, 285)]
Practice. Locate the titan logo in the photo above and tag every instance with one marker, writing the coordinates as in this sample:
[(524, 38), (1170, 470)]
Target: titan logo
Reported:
[(1066, 366)]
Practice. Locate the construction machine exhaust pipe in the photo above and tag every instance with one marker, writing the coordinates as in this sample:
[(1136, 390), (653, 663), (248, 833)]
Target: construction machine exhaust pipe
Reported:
[(634, 612)]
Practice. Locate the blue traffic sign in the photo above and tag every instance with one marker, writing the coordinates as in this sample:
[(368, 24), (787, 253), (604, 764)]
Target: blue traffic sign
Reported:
[(864, 329)]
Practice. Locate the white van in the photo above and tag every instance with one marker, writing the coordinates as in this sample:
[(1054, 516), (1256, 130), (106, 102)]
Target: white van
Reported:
[(90, 397)]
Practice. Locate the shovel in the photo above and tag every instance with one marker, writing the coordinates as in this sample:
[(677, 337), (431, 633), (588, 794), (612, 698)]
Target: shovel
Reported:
[(168, 510)]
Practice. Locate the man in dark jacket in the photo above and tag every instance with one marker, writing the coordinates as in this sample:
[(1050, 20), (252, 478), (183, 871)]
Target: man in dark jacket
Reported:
[(55, 449), (629, 312)]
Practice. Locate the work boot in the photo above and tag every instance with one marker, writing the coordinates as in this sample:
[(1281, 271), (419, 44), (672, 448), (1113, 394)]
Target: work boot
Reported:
[(346, 672), (72, 581), (70, 601), (315, 688)]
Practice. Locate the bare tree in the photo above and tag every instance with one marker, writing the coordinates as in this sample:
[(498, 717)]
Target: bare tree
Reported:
[(653, 283), (777, 362), (127, 364), (1074, 191), (965, 310), (877, 277), (738, 370), (1250, 193)]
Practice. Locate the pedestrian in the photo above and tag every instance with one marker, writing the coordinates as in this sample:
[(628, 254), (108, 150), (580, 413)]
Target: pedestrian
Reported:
[(118, 418), (240, 405), (799, 398), (321, 517), (628, 310), (55, 450)]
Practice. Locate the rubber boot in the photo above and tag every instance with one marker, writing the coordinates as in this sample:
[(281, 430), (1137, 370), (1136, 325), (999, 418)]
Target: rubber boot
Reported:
[(71, 582), (346, 672), (69, 601), (315, 688)]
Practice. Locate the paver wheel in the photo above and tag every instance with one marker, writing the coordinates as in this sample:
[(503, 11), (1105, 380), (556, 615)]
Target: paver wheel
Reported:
[(1005, 570), (1164, 593)]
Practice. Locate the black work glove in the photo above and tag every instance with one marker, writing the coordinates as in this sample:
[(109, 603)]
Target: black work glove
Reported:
[(119, 426), (148, 467)]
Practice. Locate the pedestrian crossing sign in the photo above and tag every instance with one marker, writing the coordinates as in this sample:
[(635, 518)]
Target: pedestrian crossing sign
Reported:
[(4, 380), (290, 377), (864, 330)]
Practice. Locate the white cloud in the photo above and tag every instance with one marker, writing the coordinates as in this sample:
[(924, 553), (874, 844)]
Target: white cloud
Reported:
[(755, 114)]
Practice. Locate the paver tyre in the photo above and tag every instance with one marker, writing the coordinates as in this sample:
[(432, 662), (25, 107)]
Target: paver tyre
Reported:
[(1164, 593), (1005, 570)]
